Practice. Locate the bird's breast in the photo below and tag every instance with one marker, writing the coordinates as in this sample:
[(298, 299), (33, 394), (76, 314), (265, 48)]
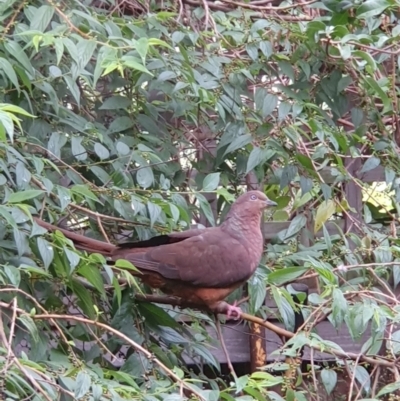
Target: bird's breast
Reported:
[(255, 247)]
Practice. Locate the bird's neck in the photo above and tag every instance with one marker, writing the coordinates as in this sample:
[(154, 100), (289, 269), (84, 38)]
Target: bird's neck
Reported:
[(241, 225)]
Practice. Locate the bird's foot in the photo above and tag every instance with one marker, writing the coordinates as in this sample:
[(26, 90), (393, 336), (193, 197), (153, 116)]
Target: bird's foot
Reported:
[(231, 311)]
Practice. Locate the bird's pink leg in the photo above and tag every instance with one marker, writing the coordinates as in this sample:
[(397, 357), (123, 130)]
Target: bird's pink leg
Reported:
[(232, 311)]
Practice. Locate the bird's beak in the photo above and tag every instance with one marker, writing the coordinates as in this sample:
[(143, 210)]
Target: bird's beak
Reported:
[(270, 203)]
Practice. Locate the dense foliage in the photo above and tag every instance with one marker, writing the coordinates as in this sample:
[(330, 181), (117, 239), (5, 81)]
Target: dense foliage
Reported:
[(127, 119)]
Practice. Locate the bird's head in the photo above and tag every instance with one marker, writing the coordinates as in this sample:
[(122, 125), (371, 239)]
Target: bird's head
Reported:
[(250, 204)]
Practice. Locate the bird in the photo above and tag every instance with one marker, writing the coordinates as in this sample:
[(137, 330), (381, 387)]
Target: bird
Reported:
[(201, 266)]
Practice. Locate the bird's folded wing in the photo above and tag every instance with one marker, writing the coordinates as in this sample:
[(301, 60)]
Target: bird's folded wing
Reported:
[(209, 260), (164, 239)]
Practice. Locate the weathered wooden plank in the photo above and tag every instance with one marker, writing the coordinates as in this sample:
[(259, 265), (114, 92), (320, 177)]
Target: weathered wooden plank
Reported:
[(329, 175), (376, 174), (271, 229), (236, 337)]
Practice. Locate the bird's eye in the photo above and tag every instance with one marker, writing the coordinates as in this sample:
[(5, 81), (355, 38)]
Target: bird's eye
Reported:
[(253, 197)]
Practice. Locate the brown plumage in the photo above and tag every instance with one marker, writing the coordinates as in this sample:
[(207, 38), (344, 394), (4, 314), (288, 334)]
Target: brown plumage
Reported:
[(200, 266)]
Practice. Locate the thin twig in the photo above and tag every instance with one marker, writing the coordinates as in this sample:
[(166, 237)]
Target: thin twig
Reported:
[(12, 329), (222, 341), (353, 377), (15, 360), (102, 229), (115, 332), (276, 329), (313, 373), (40, 307)]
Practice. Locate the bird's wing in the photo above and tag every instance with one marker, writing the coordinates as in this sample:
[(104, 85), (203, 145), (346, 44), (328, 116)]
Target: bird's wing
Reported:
[(164, 239), (209, 260)]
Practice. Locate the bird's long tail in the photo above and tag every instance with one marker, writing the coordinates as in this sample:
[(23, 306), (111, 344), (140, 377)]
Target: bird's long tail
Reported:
[(80, 241)]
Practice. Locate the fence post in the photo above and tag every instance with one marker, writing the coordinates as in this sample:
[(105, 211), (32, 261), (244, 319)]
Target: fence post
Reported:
[(300, 297), (307, 239), (258, 346), (354, 198)]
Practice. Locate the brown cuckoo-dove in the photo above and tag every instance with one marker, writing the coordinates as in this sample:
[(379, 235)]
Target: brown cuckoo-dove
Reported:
[(200, 266)]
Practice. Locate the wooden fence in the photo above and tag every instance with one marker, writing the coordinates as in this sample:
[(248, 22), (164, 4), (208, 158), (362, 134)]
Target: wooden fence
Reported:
[(254, 344)]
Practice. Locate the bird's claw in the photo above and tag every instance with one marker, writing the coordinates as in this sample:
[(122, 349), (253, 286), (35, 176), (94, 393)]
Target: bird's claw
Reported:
[(233, 311)]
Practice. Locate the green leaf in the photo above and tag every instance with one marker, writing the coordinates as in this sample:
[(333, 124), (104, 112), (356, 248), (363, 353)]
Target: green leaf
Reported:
[(166, 76), (156, 316), (370, 164), (83, 190), (134, 63), (389, 389), (101, 151), (238, 142), (252, 51), (93, 275), (5, 213), (120, 124), (6, 124), (324, 213), (30, 325), (206, 208), (55, 71), (258, 156), (227, 195), (211, 181), (77, 149), (19, 197), (117, 291), (145, 177), (42, 18), (16, 51), (367, 57), (206, 355), (13, 275), (59, 48), (64, 196), (380, 94), (270, 104), (295, 226), (125, 264), (339, 307), (327, 239), (329, 379), (154, 212), (363, 378), (257, 292), (46, 251), (288, 274), (85, 301), (74, 89), (83, 383), (285, 309), (371, 8), (288, 174), (115, 103), (241, 383), (305, 161), (8, 69), (306, 185), (280, 215), (97, 391), (177, 37), (85, 49), (266, 379), (266, 48)]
